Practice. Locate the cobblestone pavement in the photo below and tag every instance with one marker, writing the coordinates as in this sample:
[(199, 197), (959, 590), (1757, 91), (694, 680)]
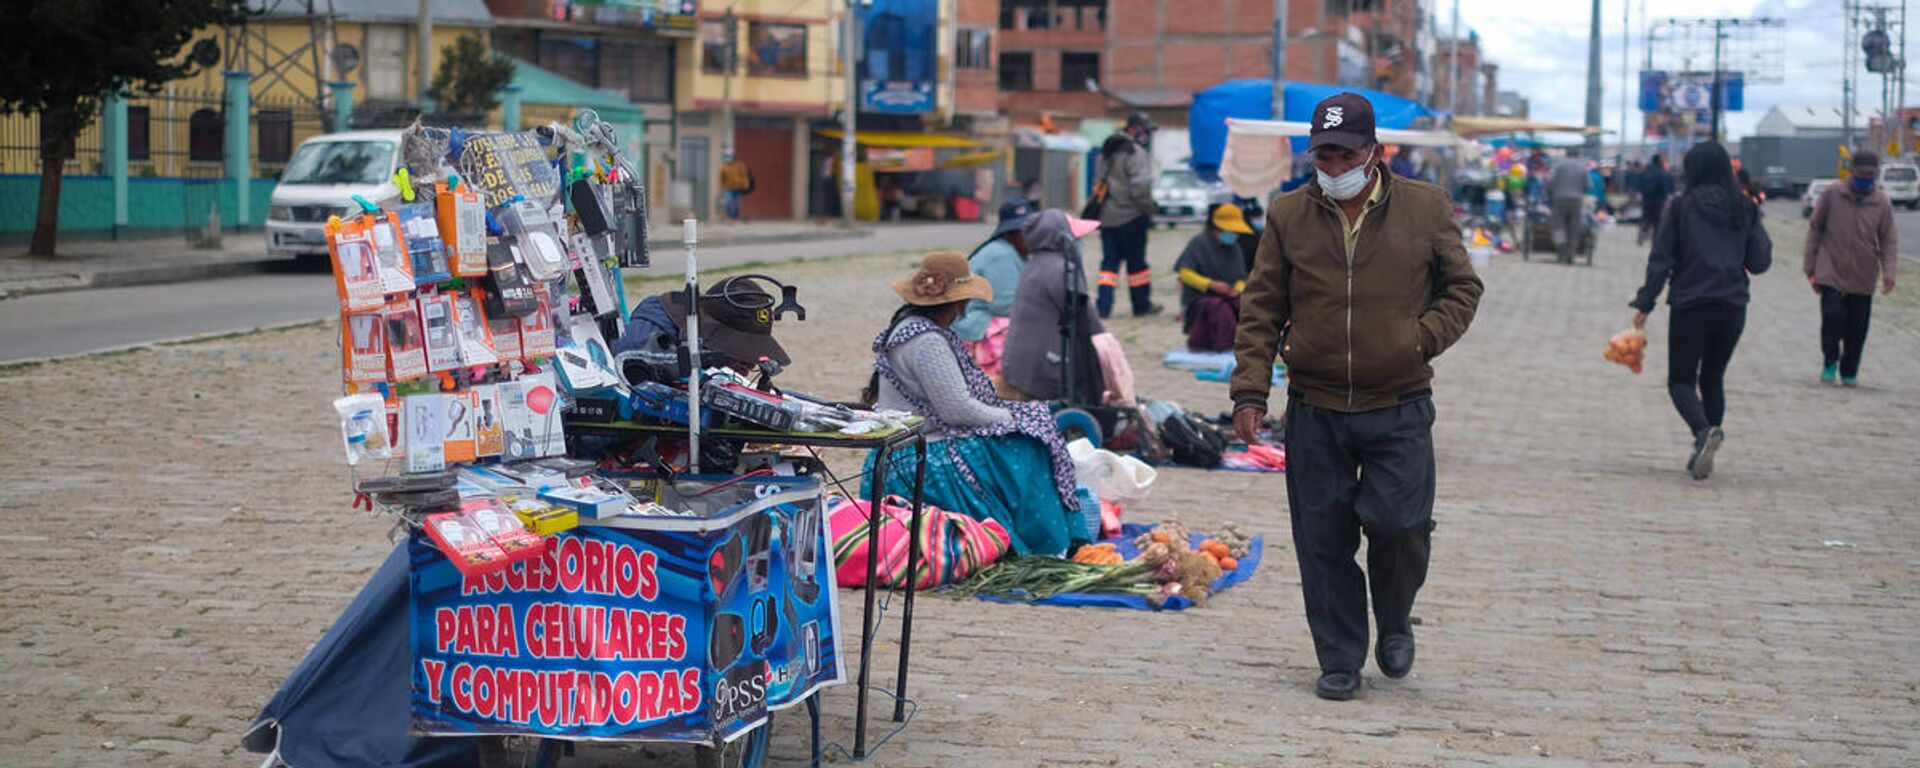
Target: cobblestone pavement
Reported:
[(178, 535)]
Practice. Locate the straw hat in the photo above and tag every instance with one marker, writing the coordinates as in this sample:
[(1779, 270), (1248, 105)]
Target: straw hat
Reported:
[(943, 278)]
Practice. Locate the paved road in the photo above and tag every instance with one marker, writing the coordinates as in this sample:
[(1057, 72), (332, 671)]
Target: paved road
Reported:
[(1905, 223), (62, 324)]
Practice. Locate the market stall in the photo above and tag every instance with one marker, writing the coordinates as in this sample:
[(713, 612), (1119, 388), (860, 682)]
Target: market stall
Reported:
[(930, 176), (1257, 156), (596, 545)]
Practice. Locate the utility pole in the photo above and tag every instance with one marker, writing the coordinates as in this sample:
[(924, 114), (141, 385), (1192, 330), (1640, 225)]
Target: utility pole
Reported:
[(1626, 51), (1718, 100), (732, 24), (1453, 64), (1593, 82), (425, 59), (849, 48), (1279, 59)]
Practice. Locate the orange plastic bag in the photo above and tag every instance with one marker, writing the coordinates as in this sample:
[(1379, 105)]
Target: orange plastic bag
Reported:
[(1628, 348)]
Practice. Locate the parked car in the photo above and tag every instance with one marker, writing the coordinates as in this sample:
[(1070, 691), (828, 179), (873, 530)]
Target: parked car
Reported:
[(1181, 197), (1901, 182), (1814, 188), (320, 181)]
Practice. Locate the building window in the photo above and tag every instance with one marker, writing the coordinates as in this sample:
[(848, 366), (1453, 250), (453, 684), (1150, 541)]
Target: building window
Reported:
[(1026, 14), (139, 134), (1077, 69), (643, 69), (206, 140), (387, 64), (1081, 14), (275, 129), (777, 49), (1016, 71), (574, 58), (973, 48), (713, 47)]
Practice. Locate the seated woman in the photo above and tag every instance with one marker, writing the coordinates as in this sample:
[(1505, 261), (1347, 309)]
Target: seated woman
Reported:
[(986, 458), (1212, 274), (1032, 363)]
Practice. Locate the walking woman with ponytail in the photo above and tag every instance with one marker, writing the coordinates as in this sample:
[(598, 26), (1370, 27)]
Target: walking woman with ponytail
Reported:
[(1706, 246)]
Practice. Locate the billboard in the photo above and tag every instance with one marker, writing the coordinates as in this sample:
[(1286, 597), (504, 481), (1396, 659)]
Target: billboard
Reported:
[(652, 14), (1679, 104), (898, 65)]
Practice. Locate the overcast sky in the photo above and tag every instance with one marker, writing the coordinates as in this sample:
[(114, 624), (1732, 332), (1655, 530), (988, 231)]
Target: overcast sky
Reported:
[(1541, 48)]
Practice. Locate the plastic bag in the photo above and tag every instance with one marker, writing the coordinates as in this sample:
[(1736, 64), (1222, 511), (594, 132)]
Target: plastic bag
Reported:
[(363, 427), (1120, 479), (1628, 348)]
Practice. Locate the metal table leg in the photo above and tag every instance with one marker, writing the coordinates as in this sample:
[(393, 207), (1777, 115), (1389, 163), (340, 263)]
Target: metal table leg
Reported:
[(881, 457), (913, 572)]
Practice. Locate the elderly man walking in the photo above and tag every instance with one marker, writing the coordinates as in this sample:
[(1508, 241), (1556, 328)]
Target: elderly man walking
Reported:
[(1369, 284), (1850, 242)]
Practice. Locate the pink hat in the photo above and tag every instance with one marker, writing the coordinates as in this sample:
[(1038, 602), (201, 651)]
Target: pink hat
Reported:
[(1081, 227)]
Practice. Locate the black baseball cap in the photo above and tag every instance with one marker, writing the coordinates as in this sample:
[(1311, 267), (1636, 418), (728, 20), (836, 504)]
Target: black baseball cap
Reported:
[(1342, 120), (735, 320)]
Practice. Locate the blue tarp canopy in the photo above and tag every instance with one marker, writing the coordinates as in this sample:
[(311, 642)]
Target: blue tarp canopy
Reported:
[(1253, 100)]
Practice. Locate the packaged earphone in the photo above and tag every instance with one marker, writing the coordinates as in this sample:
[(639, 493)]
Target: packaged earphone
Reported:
[(541, 244), (363, 427), (364, 344), (427, 253)]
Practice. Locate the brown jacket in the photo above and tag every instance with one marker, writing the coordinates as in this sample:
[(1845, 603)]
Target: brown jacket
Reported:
[(1851, 240), (1356, 329), (734, 177)]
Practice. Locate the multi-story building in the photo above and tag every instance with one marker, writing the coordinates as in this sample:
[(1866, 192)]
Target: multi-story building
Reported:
[(1477, 90)]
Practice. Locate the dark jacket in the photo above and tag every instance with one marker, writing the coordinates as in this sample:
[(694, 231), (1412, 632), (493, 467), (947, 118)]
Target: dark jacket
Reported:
[(1707, 257), (1356, 329), (1656, 185)]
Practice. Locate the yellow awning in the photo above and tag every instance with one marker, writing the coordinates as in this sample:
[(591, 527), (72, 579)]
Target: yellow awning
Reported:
[(905, 139), (973, 159)]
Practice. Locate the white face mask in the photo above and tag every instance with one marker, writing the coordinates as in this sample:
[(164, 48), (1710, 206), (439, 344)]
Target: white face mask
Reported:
[(1345, 186)]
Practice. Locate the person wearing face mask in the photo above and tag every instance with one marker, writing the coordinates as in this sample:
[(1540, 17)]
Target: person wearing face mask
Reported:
[(1850, 242), (1212, 275), (1369, 284)]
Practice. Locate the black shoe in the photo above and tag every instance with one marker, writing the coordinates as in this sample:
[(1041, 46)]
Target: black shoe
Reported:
[(1395, 655), (1704, 446), (1337, 686), (1151, 310)]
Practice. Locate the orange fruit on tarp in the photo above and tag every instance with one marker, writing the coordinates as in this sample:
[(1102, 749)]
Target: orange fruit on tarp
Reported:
[(1229, 565)]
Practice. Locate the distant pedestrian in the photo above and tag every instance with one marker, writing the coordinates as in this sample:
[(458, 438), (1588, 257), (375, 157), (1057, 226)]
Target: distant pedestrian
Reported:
[(1706, 247), (1568, 188), (1369, 284), (1656, 185), (1850, 242), (736, 181), (1126, 168)]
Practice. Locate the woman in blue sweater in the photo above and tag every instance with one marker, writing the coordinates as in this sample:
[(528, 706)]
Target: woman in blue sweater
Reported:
[(1707, 244)]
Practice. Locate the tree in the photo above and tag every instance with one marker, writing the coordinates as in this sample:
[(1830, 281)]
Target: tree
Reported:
[(58, 58), (469, 78)]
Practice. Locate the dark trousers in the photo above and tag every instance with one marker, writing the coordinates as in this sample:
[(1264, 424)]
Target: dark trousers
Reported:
[(1125, 245), (1700, 344), (1843, 328), (1568, 226), (1354, 472)]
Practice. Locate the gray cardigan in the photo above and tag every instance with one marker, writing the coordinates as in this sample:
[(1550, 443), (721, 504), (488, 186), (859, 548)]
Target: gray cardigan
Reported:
[(929, 372)]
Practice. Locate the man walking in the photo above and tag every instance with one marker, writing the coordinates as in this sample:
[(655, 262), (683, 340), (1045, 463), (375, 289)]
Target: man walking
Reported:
[(1369, 285), (1126, 168), (1850, 242), (1568, 187), (1656, 185)]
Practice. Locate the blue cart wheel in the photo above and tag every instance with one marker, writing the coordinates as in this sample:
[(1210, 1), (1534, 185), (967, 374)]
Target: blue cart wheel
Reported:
[(1075, 423)]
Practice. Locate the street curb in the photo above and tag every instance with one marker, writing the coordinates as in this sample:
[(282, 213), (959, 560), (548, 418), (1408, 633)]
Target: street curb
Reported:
[(182, 273)]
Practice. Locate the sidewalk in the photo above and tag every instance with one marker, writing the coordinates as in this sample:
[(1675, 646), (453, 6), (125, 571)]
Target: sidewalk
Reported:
[(146, 261)]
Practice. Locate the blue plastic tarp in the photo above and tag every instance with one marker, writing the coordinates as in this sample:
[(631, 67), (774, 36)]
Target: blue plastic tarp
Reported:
[(1253, 100), (350, 701), (1124, 544)]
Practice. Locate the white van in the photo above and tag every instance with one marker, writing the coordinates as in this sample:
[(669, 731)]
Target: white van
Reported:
[(1901, 182), (321, 180)]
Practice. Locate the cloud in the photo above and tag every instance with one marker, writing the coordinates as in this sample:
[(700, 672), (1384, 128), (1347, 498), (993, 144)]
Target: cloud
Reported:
[(1541, 48)]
